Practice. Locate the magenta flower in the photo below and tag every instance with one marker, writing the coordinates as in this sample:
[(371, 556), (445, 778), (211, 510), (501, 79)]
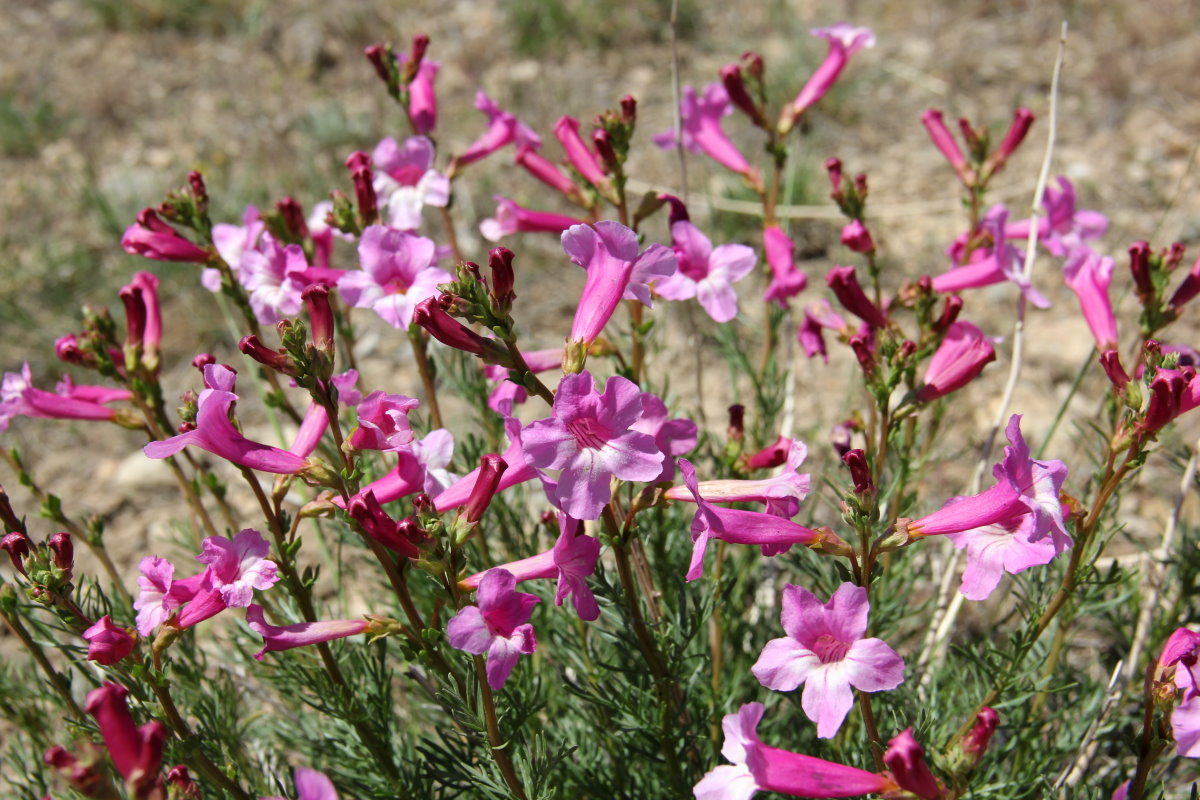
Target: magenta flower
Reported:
[(756, 767), (215, 433), (825, 650), (271, 275), (405, 181), (422, 99), (518, 471), (989, 265), (585, 162), (310, 784), (844, 41), (421, 467), (1172, 392), (674, 437), (701, 129), (152, 238), (20, 398), (1064, 228), (503, 129), (615, 269), (705, 273), (1088, 275), (136, 751), (944, 141), (397, 273), (1178, 663), (285, 637), (511, 218), (159, 594), (959, 359), (237, 567), (591, 439), (107, 644), (499, 625), (1003, 546), (810, 333), (786, 280), (571, 560), (772, 533), (782, 494), (548, 173), (905, 758), (233, 240), (846, 288), (856, 237), (383, 422)]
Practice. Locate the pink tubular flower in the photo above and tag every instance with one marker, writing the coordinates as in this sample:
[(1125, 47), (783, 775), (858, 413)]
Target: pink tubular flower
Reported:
[(591, 439), (405, 181), (507, 393), (518, 472), (989, 265), (421, 467), (1172, 392), (545, 171), (825, 650), (844, 284), (818, 316), (786, 280), (159, 594), (702, 133), (216, 434), (397, 274), (143, 294), (19, 398), (499, 625), (585, 162), (756, 767), (152, 238), (1064, 227), (271, 274), (511, 218), (383, 422), (959, 359), (1088, 275), (944, 141), (1178, 663), (615, 269), (905, 758), (233, 240), (856, 237), (285, 637), (503, 129), (571, 560), (237, 567), (1006, 545), (705, 273), (136, 751), (422, 99), (844, 41), (107, 644), (772, 533), (674, 437), (782, 494)]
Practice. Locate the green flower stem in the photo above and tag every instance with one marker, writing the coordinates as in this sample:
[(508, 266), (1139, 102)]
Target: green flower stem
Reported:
[(420, 341), (197, 759), (499, 748)]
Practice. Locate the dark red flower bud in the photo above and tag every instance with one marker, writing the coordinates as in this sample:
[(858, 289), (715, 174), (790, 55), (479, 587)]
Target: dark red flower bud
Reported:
[(491, 467), (1188, 289), (64, 551), (67, 349), (850, 294), (185, 787), (1139, 266), (379, 55), (1110, 360), (950, 310), (628, 109), (431, 316), (975, 743), (16, 544), (677, 211), (906, 760), (602, 141), (320, 316), (908, 349), (359, 164), (735, 87), (423, 504), (292, 214), (970, 135), (860, 343), (251, 346), (834, 167), (135, 314), (412, 531), (500, 260), (754, 64), (8, 516), (199, 190), (203, 360), (1173, 256), (375, 522), (737, 422), (860, 185), (420, 44), (860, 472), (1022, 120)]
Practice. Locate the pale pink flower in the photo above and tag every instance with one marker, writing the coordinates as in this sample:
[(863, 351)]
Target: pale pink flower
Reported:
[(397, 274), (844, 41), (159, 594), (310, 784), (674, 437), (405, 181), (1089, 275), (1064, 228), (700, 116), (786, 280), (272, 275), (20, 398), (706, 273), (503, 129), (498, 625), (1178, 662), (511, 218), (782, 493), (233, 240), (237, 567), (825, 650), (285, 637), (1003, 546)]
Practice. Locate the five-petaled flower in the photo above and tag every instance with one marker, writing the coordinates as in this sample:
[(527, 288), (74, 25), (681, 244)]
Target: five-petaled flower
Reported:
[(498, 626)]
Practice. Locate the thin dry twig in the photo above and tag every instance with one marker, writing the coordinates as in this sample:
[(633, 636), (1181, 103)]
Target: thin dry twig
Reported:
[(1087, 747)]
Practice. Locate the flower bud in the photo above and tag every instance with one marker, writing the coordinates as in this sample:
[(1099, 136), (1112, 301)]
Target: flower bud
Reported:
[(64, 551), (1139, 266), (1110, 360), (628, 109), (950, 310), (975, 743), (500, 261), (860, 343), (135, 315), (1188, 288), (359, 164), (1022, 120), (203, 360), (906, 759), (943, 140), (16, 544), (491, 468), (735, 87), (860, 472), (320, 317), (7, 516), (199, 191), (107, 643), (67, 349), (834, 167), (858, 238), (420, 44), (850, 294), (431, 316), (602, 141), (737, 422), (381, 59), (292, 214), (251, 346)]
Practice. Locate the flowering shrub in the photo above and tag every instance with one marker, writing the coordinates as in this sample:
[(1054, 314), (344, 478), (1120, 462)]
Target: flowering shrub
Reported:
[(385, 649)]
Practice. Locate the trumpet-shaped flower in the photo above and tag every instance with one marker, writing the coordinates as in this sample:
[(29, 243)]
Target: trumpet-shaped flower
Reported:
[(700, 116), (786, 280), (988, 265), (136, 751), (1064, 228), (1178, 662), (272, 275), (1006, 545), (238, 566), (498, 625), (511, 218), (503, 129), (706, 273), (782, 494), (825, 650), (20, 398), (405, 181), (518, 471), (159, 594), (959, 359), (844, 41), (107, 644), (285, 637), (674, 437), (383, 422), (1088, 275), (591, 439), (397, 273)]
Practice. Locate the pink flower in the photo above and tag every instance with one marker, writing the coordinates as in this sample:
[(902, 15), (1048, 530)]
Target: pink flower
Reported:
[(705, 273), (421, 467), (959, 359), (107, 644), (905, 758), (19, 398), (674, 437), (237, 567), (858, 238), (545, 171), (585, 162), (216, 434), (756, 767), (503, 129), (809, 334), (591, 439), (786, 280), (383, 422), (499, 625), (571, 560), (405, 181), (511, 218), (1064, 227), (1003, 546), (782, 494), (615, 269), (152, 238), (701, 129), (518, 472), (825, 650), (422, 99), (944, 141), (845, 286), (844, 41), (136, 751), (1172, 392), (271, 274), (397, 273), (1178, 663), (773, 534), (233, 240), (989, 265), (285, 637), (1088, 275), (159, 594)]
